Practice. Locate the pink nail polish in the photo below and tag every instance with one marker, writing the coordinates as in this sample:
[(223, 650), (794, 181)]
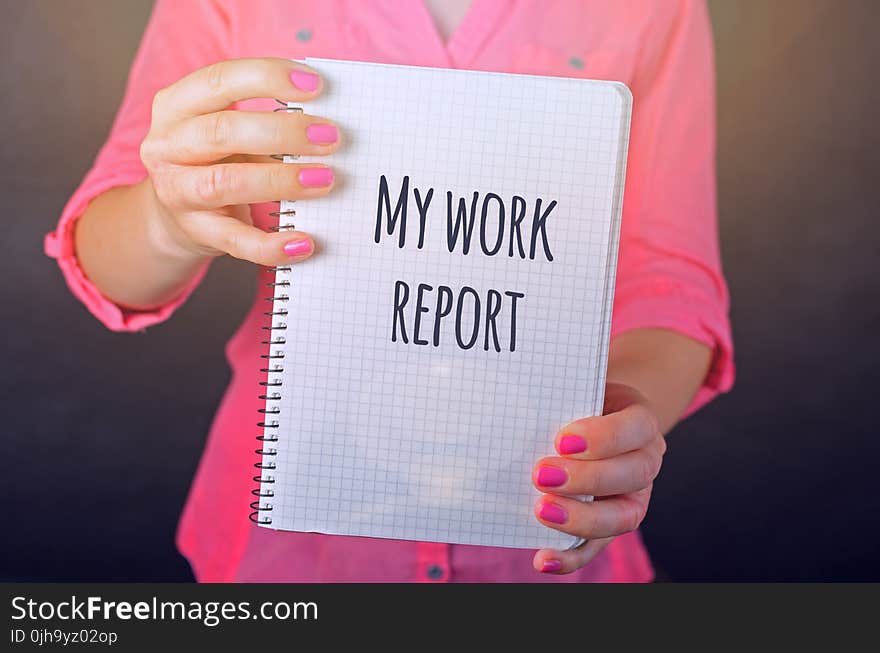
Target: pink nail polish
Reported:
[(304, 81), (551, 476), (298, 247), (569, 444), (322, 134), (552, 513), (315, 177), (550, 566)]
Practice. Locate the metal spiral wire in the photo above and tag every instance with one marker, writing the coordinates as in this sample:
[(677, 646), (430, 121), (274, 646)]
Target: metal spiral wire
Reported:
[(273, 368)]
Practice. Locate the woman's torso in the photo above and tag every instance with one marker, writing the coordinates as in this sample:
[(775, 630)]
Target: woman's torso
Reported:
[(578, 38)]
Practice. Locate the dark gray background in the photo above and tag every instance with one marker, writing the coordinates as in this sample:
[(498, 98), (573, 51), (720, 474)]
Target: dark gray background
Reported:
[(102, 431)]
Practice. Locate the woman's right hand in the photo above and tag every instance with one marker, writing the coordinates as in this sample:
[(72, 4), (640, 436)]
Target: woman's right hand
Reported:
[(207, 163)]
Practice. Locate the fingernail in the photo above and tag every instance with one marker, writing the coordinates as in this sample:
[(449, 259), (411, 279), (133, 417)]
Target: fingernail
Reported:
[(569, 444), (298, 247), (322, 134), (304, 81), (552, 513), (551, 566), (315, 177), (551, 476)]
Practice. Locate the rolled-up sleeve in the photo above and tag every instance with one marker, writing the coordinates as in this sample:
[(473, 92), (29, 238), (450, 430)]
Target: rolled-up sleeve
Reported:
[(669, 272), (180, 37)]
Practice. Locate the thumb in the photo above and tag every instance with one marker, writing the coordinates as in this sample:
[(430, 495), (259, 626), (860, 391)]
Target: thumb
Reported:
[(244, 241)]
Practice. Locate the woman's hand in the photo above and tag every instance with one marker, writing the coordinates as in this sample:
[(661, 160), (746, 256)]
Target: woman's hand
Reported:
[(615, 458), (207, 163)]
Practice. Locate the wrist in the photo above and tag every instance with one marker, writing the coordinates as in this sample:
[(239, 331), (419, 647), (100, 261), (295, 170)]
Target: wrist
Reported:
[(164, 236)]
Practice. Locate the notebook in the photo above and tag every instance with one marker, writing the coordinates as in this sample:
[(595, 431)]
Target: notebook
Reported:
[(457, 313)]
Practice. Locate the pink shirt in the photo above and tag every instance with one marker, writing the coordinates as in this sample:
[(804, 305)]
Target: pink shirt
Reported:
[(669, 271)]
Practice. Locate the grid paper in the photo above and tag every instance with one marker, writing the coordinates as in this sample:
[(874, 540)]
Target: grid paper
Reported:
[(385, 439)]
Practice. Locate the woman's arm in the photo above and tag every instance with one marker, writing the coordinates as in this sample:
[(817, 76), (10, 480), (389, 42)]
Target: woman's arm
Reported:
[(132, 263), (665, 367)]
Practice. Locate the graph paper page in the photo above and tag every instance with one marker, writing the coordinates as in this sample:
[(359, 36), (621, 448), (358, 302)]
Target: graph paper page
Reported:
[(386, 428)]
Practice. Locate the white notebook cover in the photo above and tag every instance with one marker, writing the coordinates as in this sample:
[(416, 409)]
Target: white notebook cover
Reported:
[(372, 437)]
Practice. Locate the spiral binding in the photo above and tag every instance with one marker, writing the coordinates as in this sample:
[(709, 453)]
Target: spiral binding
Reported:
[(262, 507)]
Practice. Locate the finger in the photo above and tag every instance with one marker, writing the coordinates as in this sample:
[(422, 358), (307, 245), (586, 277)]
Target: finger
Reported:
[(230, 236), (213, 136), (629, 472), (219, 85), (249, 158), (551, 561), (593, 519), (226, 184), (592, 438)]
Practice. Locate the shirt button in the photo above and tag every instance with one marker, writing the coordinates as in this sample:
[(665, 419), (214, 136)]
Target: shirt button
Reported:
[(435, 572)]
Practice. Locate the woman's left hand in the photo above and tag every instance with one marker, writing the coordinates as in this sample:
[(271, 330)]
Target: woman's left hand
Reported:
[(615, 458)]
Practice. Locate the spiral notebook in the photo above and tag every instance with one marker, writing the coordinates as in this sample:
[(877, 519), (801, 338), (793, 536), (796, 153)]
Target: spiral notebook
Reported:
[(458, 311)]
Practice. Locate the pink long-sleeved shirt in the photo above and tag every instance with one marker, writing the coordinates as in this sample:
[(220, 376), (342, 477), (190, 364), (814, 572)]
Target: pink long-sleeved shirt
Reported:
[(669, 272)]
